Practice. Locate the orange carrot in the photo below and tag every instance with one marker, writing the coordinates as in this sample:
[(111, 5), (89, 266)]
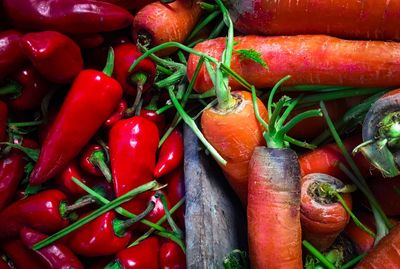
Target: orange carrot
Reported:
[(321, 60), (322, 216), (158, 23), (345, 18)]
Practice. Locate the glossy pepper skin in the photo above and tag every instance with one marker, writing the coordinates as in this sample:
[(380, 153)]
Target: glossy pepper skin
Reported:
[(11, 56), (172, 256), (32, 89), (117, 115), (55, 255), (92, 155), (67, 16), (40, 211), (175, 192), (12, 171), (145, 255), (133, 145), (64, 182), (3, 120), (157, 119), (22, 256), (56, 56), (171, 154), (98, 237), (91, 100), (125, 55)]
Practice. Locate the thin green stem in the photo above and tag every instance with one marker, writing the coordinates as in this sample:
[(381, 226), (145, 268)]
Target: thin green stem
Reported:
[(318, 255), (354, 261), (217, 30), (163, 109), (164, 70), (272, 94), (207, 6), (170, 220), (256, 110), (277, 111), (25, 124), (109, 68), (203, 23), (298, 143), (204, 95), (11, 88), (298, 118), (173, 238), (172, 79), (287, 112)]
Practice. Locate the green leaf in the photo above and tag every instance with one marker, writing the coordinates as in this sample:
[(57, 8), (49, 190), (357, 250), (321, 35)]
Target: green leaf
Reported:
[(253, 55)]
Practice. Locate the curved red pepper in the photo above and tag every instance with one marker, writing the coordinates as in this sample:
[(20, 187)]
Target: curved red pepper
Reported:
[(91, 100), (93, 161), (21, 256), (12, 171), (55, 255), (30, 89), (40, 211), (133, 145), (172, 256), (171, 154), (11, 56), (56, 56), (175, 192), (3, 120), (98, 237), (64, 181), (117, 115), (145, 255), (125, 55), (158, 119), (67, 16)]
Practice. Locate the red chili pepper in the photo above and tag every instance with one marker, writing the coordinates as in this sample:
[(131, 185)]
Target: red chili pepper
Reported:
[(133, 145), (45, 211), (12, 171), (21, 256), (3, 264), (175, 192), (92, 99), (26, 89), (145, 255), (172, 256), (142, 76), (93, 161), (55, 255), (88, 41), (3, 120), (64, 180), (157, 119), (171, 154), (11, 56), (56, 56), (67, 16), (130, 5), (117, 115)]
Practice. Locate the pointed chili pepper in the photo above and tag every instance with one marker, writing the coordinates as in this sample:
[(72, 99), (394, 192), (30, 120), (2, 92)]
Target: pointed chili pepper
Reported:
[(94, 161), (150, 113), (12, 171), (67, 16), (56, 56), (172, 256), (117, 115), (92, 99), (133, 145), (55, 255), (46, 211), (171, 154), (145, 255), (175, 192), (3, 120), (22, 256), (106, 235), (11, 56), (26, 89)]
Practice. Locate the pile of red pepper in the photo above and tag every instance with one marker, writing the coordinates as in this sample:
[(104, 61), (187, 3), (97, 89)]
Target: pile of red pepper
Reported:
[(82, 134)]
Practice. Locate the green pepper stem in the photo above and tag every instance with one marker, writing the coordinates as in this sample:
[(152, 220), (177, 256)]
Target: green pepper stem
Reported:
[(25, 124), (109, 68), (318, 255), (98, 160), (33, 154), (67, 209), (113, 265), (12, 88), (79, 223)]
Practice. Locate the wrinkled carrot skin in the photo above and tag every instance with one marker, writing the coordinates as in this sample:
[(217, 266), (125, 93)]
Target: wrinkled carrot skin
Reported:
[(166, 22), (322, 223), (319, 59), (386, 254), (235, 134), (361, 240), (273, 210), (343, 18)]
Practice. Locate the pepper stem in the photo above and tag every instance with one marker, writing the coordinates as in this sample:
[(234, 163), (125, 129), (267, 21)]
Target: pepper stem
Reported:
[(12, 88), (65, 209), (139, 79), (109, 68), (98, 159)]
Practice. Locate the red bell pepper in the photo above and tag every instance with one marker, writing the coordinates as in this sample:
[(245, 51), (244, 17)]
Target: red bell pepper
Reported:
[(175, 192), (12, 171), (92, 99), (171, 154), (145, 255), (3, 120), (56, 56), (93, 161), (117, 115), (172, 256), (21, 256), (133, 146), (56, 255), (46, 211), (67, 16), (11, 56), (26, 89)]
